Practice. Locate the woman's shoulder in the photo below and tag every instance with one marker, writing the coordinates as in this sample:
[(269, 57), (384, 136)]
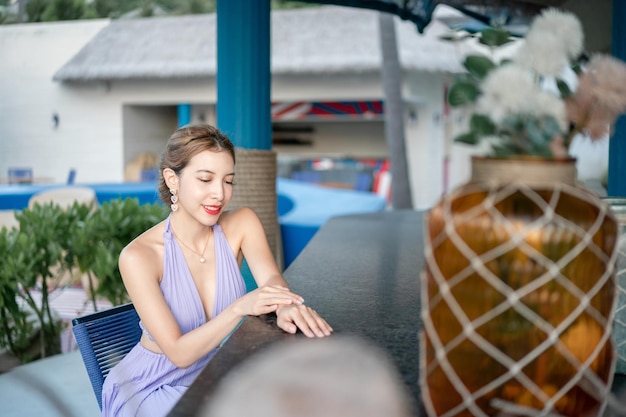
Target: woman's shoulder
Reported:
[(237, 223), (237, 217), (145, 247)]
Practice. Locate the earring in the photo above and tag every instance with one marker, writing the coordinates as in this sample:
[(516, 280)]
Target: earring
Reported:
[(174, 199)]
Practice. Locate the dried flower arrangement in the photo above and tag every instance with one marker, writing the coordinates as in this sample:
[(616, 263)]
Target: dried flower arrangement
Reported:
[(537, 101)]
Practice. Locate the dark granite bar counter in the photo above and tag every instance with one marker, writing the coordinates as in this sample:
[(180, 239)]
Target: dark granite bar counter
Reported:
[(361, 273)]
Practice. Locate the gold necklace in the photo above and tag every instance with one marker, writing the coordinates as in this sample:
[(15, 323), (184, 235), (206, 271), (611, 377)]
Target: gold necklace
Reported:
[(201, 255)]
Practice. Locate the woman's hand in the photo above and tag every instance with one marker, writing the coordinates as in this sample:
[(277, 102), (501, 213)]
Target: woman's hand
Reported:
[(290, 318), (267, 299)]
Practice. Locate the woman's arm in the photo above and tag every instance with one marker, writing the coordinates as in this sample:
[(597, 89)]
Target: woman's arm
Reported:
[(262, 264), (255, 247), (141, 277)]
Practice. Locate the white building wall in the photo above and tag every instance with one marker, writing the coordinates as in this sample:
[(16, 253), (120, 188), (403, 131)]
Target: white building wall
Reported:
[(337, 139), (327, 87), (425, 137), (131, 118), (342, 139), (91, 134), (142, 115), (165, 92), (144, 128), (425, 129), (104, 125), (31, 53)]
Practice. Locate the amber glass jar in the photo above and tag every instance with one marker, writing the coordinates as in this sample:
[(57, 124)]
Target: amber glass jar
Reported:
[(618, 206), (518, 294)]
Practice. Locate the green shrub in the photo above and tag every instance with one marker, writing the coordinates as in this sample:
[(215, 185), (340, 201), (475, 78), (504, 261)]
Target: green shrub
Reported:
[(35, 256), (45, 252), (100, 239)]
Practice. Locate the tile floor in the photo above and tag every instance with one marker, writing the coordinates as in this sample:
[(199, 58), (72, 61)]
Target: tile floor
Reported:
[(52, 387), (57, 386)]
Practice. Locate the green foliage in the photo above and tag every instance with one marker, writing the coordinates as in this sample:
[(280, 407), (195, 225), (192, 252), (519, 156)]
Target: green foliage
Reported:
[(147, 8), (100, 239), (289, 4), (526, 136), (564, 89), (33, 257), (109, 8), (186, 7), (45, 250), (466, 89), (14, 327), (200, 6), (494, 37), (478, 66), (463, 92), (49, 228), (482, 125), (104, 8), (514, 135), (35, 9), (64, 10), (52, 10)]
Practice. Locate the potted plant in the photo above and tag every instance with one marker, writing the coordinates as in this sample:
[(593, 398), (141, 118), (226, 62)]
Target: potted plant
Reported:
[(518, 291), (538, 101)]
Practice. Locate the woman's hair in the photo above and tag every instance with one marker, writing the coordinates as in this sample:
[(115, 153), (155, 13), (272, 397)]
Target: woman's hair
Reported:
[(184, 144), (345, 376)]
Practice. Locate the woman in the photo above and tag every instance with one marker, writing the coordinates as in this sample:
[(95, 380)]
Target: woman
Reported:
[(183, 277)]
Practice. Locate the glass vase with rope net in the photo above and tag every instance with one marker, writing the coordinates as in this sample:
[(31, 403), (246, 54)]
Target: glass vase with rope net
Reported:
[(518, 294)]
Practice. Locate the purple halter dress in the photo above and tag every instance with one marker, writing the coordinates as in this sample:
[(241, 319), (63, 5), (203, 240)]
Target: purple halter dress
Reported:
[(145, 383)]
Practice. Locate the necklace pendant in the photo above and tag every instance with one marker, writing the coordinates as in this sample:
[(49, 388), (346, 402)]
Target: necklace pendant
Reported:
[(202, 260)]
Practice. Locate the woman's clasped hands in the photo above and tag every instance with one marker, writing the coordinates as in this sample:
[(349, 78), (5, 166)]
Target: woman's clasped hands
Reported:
[(291, 312)]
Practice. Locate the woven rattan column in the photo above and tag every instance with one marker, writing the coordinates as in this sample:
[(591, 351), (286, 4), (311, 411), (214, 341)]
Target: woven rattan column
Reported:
[(255, 179)]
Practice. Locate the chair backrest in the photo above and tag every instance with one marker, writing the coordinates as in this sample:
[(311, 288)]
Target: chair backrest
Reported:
[(64, 196), (71, 177), (103, 339), (20, 175)]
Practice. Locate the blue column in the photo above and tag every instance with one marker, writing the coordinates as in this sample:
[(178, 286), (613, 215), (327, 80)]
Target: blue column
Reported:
[(243, 72), (184, 114), (617, 146)]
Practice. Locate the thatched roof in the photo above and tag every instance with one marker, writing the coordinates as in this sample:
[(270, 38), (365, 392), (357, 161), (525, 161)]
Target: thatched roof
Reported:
[(311, 40)]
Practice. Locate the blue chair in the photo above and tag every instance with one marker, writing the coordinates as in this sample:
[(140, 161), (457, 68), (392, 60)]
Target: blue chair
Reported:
[(150, 175), (71, 177), (363, 182), (307, 176), (103, 339), (20, 176)]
